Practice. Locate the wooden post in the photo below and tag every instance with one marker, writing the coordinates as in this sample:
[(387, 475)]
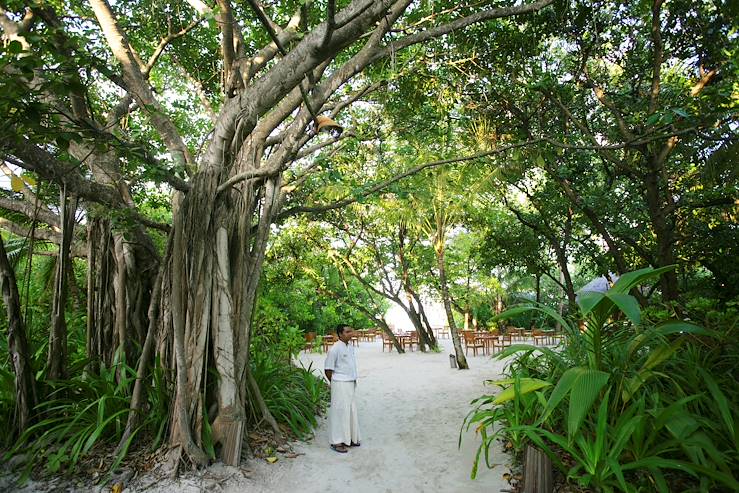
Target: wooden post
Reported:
[(537, 472)]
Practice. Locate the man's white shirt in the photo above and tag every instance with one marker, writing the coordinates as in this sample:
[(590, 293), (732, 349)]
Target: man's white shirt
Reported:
[(342, 359)]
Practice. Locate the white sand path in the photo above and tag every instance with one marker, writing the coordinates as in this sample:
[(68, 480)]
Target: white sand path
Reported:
[(411, 408)]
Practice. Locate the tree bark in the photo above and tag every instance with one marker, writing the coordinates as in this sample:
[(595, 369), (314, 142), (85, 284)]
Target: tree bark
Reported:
[(664, 234), (25, 385), (57, 356), (429, 329), (424, 338), (461, 359)]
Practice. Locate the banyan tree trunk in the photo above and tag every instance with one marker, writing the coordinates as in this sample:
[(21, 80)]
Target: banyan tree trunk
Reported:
[(25, 388), (57, 356), (119, 283), (219, 245)]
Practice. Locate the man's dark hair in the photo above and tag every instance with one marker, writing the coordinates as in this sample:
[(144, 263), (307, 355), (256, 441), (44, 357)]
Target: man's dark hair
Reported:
[(341, 328)]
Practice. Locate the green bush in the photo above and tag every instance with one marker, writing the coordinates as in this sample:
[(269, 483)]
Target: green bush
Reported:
[(294, 395), (85, 411), (632, 405)]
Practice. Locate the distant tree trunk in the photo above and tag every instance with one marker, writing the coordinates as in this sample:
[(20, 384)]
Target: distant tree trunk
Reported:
[(664, 232), (561, 307), (386, 329), (417, 324), (424, 338), (25, 386), (461, 359), (538, 288), (57, 356), (569, 287), (613, 248), (429, 330)]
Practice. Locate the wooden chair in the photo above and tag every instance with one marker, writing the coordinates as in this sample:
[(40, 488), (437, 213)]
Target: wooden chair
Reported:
[(505, 341), (386, 341), (310, 341), (413, 339), (557, 338), (471, 341), (540, 339), (328, 341)]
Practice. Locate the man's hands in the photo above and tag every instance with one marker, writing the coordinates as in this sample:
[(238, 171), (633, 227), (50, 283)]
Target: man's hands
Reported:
[(328, 374)]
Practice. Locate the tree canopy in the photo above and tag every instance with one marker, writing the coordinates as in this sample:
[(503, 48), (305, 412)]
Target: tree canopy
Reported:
[(194, 182)]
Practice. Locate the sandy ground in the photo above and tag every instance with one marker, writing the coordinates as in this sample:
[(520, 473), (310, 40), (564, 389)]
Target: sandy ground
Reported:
[(411, 408)]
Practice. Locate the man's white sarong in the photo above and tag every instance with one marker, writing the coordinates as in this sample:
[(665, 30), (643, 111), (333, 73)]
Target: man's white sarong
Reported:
[(343, 423)]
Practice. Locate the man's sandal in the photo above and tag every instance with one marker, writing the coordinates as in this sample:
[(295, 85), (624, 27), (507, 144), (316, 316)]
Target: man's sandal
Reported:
[(352, 444), (340, 448)]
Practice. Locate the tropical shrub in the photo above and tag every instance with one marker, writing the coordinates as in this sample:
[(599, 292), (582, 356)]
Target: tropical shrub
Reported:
[(88, 410), (624, 404), (294, 395)]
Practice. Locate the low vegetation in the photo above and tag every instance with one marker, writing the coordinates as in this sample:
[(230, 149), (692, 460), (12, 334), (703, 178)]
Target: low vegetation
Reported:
[(630, 402)]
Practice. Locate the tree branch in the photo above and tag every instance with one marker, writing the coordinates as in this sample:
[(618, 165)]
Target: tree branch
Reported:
[(40, 161), (657, 49), (138, 85), (30, 211), (465, 22), (383, 184), (165, 42)]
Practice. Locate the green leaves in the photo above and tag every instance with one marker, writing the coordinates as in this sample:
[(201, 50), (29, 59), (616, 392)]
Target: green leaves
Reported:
[(628, 305), (621, 400), (518, 387), (583, 386), (14, 47)]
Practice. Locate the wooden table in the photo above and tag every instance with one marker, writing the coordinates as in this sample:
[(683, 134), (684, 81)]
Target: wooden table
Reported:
[(489, 342), (327, 342), (405, 340)]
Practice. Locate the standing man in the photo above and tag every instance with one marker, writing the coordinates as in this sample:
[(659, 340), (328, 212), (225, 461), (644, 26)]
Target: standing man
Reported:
[(341, 371)]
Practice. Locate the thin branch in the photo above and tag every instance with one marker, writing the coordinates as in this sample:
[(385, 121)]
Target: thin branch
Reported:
[(330, 21), (139, 87), (385, 183), (28, 210), (326, 143), (603, 99), (465, 22), (703, 82), (165, 42), (657, 54), (34, 158)]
